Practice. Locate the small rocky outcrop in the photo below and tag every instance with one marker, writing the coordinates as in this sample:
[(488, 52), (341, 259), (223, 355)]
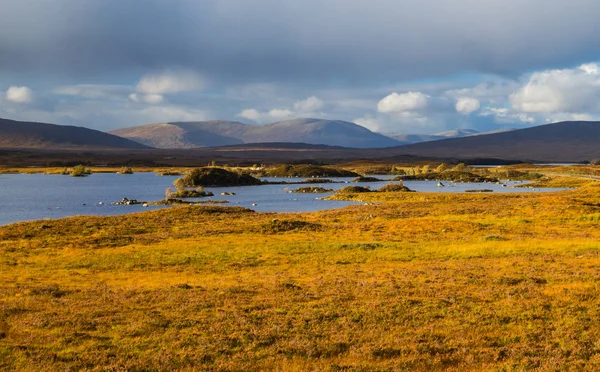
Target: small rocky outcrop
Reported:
[(353, 190), (126, 201)]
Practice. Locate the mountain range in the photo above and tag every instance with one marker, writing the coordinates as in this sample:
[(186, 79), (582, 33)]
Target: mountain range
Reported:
[(559, 142), (222, 133)]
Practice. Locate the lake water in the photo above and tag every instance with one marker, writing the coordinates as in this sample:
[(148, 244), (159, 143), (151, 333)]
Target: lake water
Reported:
[(26, 197)]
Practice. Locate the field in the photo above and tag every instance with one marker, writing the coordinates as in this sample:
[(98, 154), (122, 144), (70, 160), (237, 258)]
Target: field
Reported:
[(407, 281)]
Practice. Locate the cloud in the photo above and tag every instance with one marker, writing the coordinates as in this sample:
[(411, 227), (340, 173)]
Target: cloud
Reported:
[(19, 94), (268, 116), (302, 108), (395, 103), (279, 114), (94, 91), (152, 99), (250, 114), (171, 82), (369, 122), (311, 104), (467, 106), (565, 90), (104, 37), (507, 116)]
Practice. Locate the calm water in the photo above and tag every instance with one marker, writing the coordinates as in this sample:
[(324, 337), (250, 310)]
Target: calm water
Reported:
[(26, 197)]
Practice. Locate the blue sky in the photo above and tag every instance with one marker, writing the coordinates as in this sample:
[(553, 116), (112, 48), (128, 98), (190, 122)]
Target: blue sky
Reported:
[(403, 66)]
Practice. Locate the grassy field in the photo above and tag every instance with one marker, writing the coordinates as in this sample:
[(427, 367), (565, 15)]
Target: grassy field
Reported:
[(409, 281)]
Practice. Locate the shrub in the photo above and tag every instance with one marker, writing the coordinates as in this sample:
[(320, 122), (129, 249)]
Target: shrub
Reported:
[(198, 193), (80, 171), (125, 170)]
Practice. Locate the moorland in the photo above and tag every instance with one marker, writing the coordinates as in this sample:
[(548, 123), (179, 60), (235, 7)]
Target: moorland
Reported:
[(406, 281)]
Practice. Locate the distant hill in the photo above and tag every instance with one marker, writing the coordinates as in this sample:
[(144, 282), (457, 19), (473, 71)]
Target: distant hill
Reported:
[(572, 141), (408, 139), (28, 135), (185, 135), (416, 138), (223, 133), (457, 133)]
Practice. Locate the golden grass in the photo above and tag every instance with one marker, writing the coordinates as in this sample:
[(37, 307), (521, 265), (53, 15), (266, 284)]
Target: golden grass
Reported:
[(413, 281)]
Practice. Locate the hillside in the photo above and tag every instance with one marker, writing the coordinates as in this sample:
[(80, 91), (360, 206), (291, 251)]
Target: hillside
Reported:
[(560, 142), (28, 135), (417, 138), (223, 133), (182, 135)]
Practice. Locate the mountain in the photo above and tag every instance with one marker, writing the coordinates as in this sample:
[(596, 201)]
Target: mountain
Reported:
[(29, 135), (571, 141), (407, 139), (416, 138), (224, 133), (184, 135), (457, 133)]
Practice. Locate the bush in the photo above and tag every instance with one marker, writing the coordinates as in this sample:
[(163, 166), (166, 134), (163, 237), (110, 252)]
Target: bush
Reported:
[(198, 193), (80, 171), (125, 170)]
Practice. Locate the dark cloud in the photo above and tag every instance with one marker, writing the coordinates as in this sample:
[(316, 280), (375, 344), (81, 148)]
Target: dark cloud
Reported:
[(334, 41)]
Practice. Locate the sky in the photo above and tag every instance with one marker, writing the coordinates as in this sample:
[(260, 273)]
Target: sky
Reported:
[(399, 66)]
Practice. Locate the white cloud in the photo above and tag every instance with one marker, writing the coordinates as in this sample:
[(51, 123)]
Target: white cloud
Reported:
[(307, 107), (19, 94), (507, 116), (590, 68), (395, 103), (566, 90), (152, 99), (279, 114), (268, 116), (171, 82), (368, 122), (95, 91), (250, 114), (467, 106), (311, 104)]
